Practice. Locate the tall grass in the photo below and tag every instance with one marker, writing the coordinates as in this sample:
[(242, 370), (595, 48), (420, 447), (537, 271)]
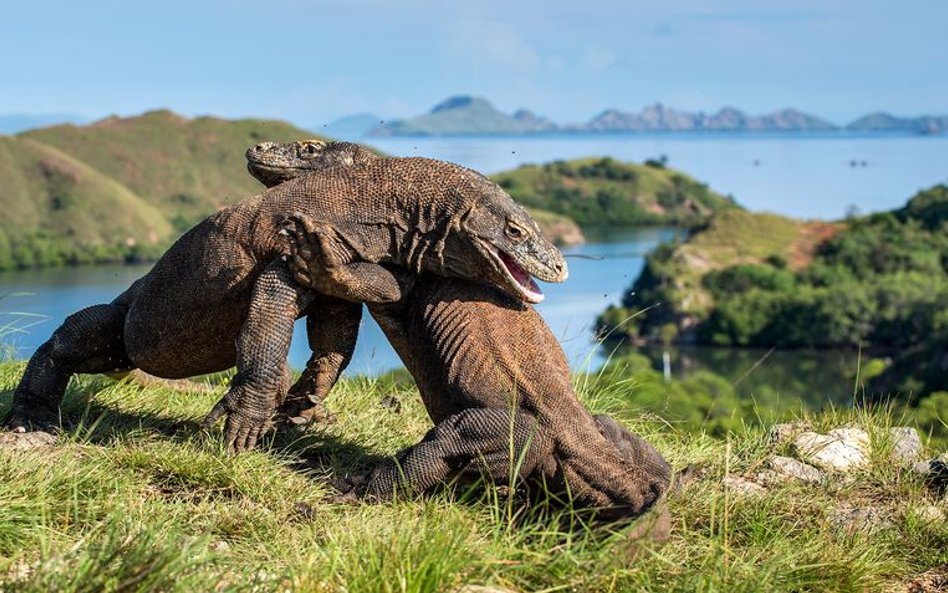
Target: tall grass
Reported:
[(13, 323), (134, 498)]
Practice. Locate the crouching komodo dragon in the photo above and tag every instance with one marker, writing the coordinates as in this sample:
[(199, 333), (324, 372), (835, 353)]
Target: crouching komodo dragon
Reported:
[(496, 383), (223, 294)]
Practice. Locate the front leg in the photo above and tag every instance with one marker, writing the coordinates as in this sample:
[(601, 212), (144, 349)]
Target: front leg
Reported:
[(320, 258), (262, 347), (332, 326)]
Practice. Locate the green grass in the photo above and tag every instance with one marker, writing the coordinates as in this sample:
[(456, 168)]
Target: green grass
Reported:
[(135, 498)]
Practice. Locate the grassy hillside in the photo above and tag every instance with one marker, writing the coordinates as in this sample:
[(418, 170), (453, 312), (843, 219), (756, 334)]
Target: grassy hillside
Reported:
[(133, 498), (57, 209), (187, 168), (603, 191), (674, 274)]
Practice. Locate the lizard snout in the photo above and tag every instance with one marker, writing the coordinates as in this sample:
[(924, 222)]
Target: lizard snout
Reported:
[(260, 148)]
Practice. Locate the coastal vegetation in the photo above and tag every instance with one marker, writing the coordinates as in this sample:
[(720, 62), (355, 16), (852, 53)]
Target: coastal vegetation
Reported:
[(604, 191), (133, 497), (878, 282)]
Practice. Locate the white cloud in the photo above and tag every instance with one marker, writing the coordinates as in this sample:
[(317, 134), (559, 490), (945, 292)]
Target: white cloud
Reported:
[(598, 59), (498, 43)]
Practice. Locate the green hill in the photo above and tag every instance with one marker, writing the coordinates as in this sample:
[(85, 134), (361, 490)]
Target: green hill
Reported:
[(603, 191), (465, 115), (57, 209), (122, 188), (187, 168)]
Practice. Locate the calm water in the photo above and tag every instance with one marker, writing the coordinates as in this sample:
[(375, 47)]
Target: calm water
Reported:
[(801, 175)]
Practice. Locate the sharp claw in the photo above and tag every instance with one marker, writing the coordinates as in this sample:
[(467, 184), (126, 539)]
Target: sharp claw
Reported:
[(214, 415), (299, 261)]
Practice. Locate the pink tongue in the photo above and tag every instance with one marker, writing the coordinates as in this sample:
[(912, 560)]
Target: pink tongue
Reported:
[(519, 274)]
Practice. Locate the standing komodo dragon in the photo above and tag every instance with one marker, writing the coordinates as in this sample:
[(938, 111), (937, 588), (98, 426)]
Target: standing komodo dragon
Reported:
[(495, 382), (222, 294)]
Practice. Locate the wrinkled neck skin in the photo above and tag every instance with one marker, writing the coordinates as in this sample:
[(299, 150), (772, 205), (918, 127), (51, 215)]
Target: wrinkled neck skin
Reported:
[(424, 237)]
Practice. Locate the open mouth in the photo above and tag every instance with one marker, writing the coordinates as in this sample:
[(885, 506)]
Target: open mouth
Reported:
[(272, 173), (273, 168), (517, 278)]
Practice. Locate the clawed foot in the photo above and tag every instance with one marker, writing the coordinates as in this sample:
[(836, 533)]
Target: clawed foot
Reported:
[(687, 476), (310, 247), (302, 411), (241, 429), (36, 419), (347, 490)]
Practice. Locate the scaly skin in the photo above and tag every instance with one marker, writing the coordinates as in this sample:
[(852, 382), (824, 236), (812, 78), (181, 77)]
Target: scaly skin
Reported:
[(225, 292), (497, 386)]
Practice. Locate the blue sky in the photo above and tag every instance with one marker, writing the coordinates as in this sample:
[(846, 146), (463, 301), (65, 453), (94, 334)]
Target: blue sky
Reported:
[(312, 61)]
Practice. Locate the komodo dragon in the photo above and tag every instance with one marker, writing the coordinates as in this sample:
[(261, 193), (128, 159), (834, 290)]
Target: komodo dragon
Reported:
[(497, 385), (222, 294)]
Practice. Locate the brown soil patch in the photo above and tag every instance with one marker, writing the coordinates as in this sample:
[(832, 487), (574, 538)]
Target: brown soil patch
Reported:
[(812, 235), (932, 581), (655, 208)]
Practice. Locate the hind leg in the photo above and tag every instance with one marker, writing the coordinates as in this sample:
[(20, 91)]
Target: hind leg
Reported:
[(332, 326), (488, 442), (89, 341)]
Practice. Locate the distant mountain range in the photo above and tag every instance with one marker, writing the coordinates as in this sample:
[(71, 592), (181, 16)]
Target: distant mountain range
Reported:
[(468, 115)]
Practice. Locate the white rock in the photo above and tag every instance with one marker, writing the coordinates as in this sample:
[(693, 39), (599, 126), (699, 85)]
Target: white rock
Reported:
[(857, 519), (841, 449), (482, 589), (930, 514), (906, 444), (852, 436), (743, 487), (788, 468)]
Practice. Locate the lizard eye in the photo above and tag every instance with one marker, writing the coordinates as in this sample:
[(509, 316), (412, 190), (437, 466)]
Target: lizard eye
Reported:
[(310, 149), (514, 232)]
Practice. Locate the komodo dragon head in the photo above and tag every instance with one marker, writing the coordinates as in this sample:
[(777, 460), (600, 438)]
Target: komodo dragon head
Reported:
[(496, 233), (272, 163)]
